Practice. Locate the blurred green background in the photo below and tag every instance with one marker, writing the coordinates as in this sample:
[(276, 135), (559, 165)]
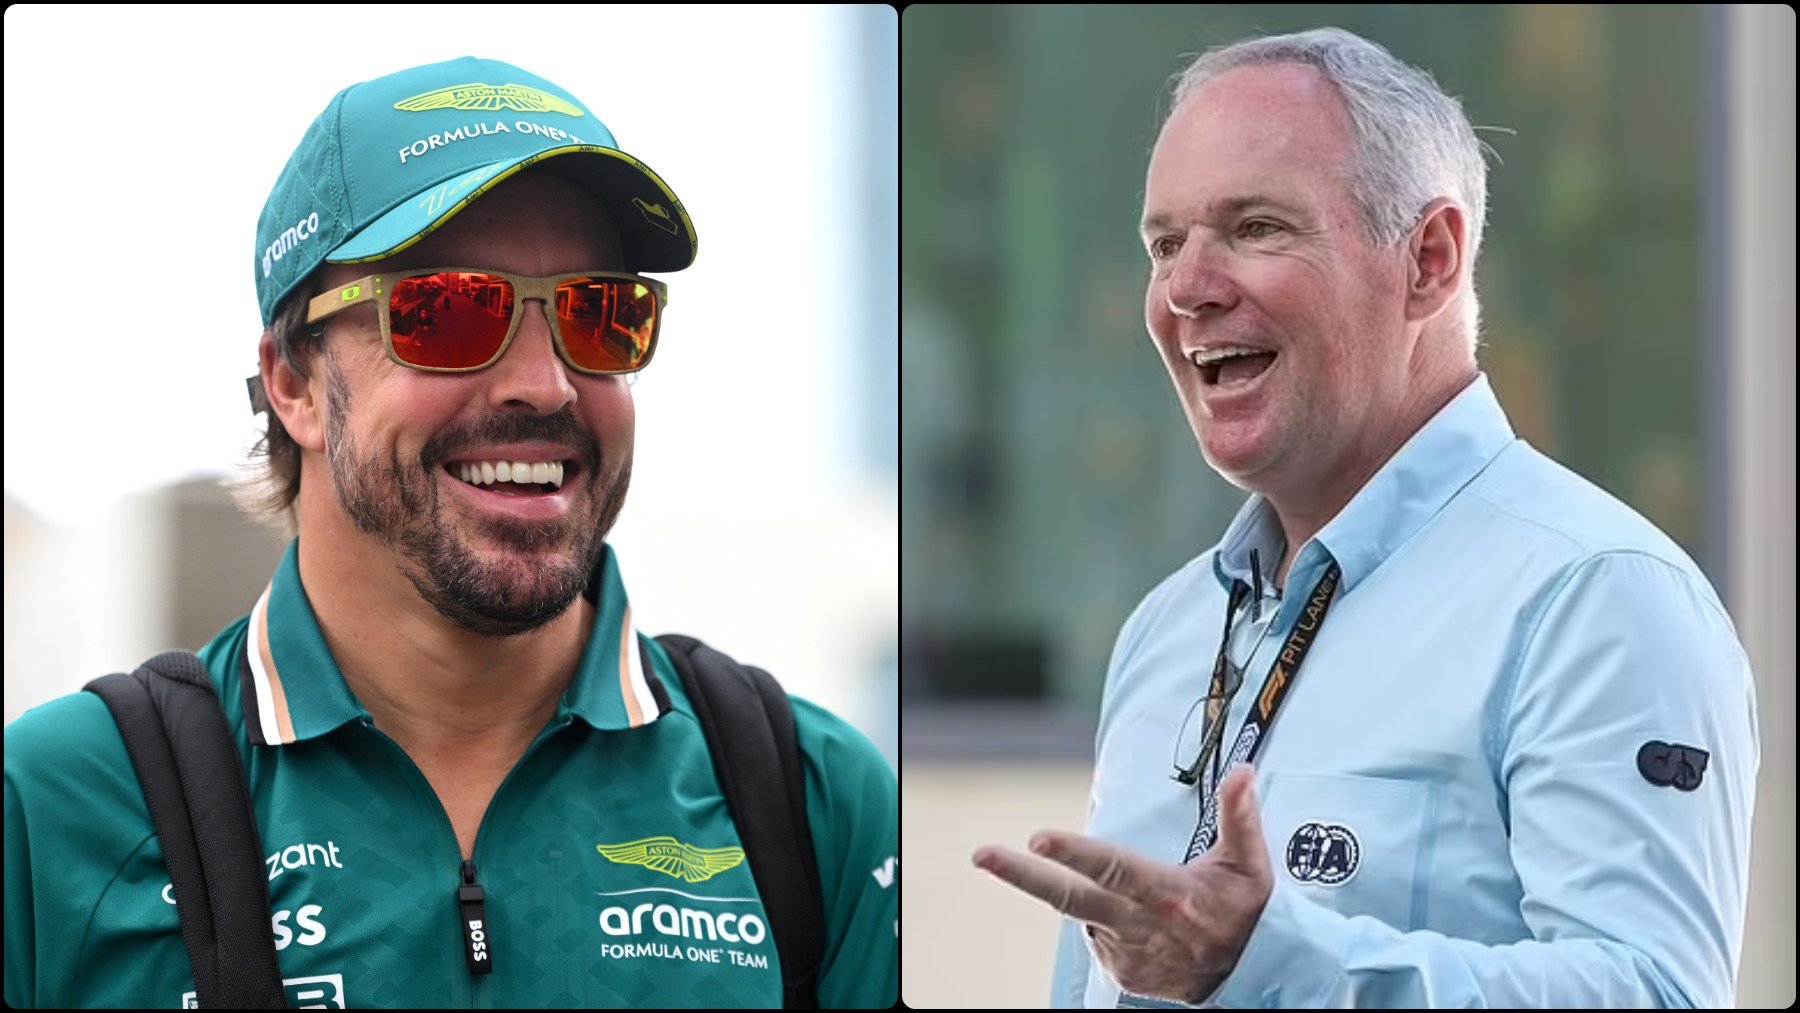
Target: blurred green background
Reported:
[(1050, 480)]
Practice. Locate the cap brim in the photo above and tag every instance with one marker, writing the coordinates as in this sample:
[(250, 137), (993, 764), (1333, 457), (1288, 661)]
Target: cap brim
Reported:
[(653, 224)]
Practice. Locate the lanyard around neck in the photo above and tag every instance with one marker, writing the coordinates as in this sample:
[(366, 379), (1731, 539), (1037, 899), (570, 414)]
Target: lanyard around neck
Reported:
[(1275, 688)]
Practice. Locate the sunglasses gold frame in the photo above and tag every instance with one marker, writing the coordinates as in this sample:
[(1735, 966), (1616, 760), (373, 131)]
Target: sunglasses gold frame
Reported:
[(376, 287)]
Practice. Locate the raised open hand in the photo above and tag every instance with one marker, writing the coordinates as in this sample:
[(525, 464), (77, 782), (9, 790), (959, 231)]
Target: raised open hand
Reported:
[(1166, 931)]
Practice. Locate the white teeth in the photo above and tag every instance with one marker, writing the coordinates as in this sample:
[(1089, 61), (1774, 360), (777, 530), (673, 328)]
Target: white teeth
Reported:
[(519, 472), (1210, 356)]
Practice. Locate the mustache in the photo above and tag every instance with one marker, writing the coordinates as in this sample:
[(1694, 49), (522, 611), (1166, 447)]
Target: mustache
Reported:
[(562, 427)]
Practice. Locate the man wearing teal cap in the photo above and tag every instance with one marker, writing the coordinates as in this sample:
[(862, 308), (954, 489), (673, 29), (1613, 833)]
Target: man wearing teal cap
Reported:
[(442, 686)]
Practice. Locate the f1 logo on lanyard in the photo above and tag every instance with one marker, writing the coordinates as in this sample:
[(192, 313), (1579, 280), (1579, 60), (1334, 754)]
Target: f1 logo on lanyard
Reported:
[(1275, 688)]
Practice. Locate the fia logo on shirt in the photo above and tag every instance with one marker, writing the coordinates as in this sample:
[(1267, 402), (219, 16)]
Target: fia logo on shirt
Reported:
[(1324, 854)]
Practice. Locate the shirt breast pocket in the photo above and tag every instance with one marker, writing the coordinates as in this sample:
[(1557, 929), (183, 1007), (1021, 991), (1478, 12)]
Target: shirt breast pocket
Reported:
[(1355, 844)]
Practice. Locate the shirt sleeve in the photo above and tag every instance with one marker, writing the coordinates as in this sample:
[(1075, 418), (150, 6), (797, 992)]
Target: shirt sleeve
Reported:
[(1634, 891), (1074, 962), (75, 815), (21, 950), (1068, 982), (853, 806)]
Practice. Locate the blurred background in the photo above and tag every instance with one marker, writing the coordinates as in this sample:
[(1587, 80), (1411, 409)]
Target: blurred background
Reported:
[(1636, 286), (140, 145)]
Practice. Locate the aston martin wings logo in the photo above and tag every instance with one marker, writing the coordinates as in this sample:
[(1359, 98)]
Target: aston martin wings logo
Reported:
[(478, 96), (673, 858)]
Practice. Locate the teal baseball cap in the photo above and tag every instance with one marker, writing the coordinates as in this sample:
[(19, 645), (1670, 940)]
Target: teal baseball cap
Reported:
[(390, 160)]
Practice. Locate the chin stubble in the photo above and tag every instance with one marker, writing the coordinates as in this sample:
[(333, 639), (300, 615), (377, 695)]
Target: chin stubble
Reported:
[(398, 504)]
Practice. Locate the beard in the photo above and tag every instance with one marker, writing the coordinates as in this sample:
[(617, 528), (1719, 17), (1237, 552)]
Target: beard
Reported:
[(398, 503)]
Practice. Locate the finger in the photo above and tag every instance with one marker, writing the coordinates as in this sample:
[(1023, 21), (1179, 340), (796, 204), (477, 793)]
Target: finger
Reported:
[(1115, 869), (1070, 893), (1240, 829)]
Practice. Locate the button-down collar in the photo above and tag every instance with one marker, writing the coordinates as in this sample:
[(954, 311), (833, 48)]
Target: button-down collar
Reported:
[(1442, 457)]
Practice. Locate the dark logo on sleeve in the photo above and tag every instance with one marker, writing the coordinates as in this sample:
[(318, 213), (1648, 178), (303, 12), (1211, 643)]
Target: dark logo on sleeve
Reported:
[(1664, 763), (1323, 853)]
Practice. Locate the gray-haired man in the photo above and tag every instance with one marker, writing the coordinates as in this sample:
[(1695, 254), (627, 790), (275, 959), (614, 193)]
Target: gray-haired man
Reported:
[(1517, 749)]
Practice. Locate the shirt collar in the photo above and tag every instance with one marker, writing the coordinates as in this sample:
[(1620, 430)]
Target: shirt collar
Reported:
[(294, 691), (1255, 527), (1418, 481)]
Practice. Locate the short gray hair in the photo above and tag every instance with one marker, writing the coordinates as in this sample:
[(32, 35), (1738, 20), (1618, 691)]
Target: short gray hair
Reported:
[(1410, 142)]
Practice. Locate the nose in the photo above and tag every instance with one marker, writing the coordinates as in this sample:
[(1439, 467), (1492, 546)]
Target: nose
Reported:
[(1199, 280), (530, 372)]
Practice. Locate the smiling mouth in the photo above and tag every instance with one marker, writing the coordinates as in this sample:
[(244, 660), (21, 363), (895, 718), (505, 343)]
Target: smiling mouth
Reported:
[(1234, 369), (536, 479)]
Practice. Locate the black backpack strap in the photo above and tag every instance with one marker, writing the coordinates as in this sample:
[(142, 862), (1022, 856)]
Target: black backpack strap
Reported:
[(749, 728), (193, 781)]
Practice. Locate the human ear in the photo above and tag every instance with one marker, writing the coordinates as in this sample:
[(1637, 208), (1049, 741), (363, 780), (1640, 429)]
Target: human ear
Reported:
[(1435, 262), (292, 396)]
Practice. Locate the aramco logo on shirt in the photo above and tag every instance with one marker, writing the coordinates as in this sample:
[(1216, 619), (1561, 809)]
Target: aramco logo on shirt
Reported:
[(661, 922), (674, 858)]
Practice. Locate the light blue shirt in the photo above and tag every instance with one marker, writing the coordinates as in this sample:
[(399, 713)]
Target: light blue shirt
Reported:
[(1452, 794)]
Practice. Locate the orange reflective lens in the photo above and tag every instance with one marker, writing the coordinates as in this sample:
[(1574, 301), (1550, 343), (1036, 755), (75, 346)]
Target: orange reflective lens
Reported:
[(450, 320), (462, 319), (607, 323)]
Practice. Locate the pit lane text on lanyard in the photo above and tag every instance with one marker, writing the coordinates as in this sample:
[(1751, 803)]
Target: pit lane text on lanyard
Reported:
[(1275, 688)]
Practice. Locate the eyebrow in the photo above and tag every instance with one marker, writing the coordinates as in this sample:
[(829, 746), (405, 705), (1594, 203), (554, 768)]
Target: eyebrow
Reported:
[(1225, 207)]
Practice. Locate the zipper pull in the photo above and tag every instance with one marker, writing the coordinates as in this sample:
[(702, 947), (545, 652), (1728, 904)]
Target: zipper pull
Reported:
[(471, 900)]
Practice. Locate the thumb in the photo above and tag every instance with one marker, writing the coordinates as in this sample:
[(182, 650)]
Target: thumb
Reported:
[(1240, 819)]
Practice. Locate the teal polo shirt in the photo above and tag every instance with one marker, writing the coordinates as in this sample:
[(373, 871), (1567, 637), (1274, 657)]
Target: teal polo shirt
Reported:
[(613, 872)]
